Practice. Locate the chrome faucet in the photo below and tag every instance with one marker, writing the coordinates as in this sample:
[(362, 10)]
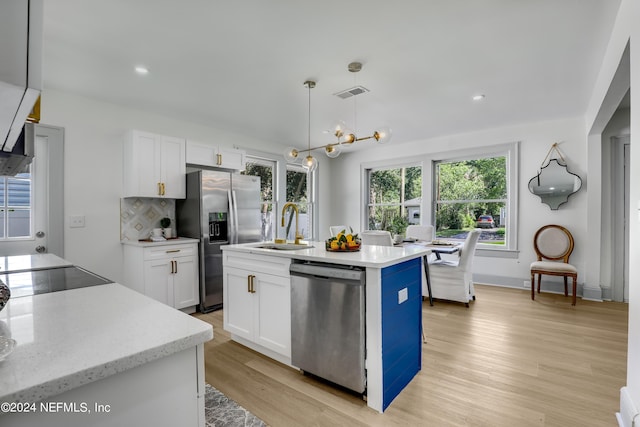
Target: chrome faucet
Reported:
[(295, 209)]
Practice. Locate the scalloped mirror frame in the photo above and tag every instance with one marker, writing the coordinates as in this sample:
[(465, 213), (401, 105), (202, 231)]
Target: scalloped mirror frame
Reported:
[(554, 184)]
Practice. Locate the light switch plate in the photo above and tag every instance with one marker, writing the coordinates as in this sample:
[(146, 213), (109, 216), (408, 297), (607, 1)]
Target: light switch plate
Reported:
[(76, 221), (403, 295)]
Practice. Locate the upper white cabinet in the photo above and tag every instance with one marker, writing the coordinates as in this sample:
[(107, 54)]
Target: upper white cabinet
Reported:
[(154, 165), (202, 154)]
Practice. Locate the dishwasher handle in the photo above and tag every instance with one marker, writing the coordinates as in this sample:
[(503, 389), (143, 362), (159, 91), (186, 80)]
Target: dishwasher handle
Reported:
[(326, 272)]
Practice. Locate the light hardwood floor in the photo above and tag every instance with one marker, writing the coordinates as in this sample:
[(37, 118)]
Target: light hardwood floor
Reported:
[(504, 361)]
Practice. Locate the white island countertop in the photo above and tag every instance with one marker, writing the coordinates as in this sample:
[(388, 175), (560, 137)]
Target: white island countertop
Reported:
[(71, 338), (367, 256)]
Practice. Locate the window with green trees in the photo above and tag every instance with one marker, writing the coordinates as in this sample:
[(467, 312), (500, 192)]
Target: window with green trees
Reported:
[(264, 169), (299, 192), (394, 198), (471, 194)]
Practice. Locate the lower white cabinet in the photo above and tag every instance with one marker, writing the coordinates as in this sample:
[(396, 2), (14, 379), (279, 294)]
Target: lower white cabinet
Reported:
[(167, 273), (257, 301)]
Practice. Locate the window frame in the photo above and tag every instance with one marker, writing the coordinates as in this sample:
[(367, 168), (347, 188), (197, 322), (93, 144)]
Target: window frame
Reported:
[(511, 152), (409, 163)]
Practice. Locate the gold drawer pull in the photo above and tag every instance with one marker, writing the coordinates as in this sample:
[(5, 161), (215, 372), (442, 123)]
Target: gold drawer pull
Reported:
[(172, 251)]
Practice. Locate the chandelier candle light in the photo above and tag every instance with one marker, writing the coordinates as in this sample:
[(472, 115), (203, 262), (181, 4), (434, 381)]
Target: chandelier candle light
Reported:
[(342, 133)]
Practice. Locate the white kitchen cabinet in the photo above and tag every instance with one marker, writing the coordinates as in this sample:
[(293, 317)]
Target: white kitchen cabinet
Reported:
[(154, 165), (257, 301), (166, 273), (202, 154)]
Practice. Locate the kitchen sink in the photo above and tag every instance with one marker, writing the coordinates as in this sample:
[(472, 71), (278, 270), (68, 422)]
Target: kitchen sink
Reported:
[(283, 246)]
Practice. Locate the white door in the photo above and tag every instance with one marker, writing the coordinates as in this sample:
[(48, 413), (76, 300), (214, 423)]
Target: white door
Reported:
[(32, 222), (158, 280)]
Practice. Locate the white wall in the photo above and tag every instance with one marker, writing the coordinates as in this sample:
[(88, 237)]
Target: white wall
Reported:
[(536, 140), (93, 170), (626, 32)]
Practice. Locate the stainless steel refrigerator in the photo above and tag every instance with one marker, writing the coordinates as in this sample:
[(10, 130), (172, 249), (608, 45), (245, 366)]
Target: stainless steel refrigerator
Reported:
[(221, 208)]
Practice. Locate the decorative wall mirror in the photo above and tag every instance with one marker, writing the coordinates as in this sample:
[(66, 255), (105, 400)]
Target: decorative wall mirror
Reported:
[(554, 183)]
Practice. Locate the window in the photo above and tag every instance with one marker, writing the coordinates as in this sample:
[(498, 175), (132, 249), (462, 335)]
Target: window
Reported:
[(265, 169), (472, 193), (15, 209), (394, 198), (299, 191)]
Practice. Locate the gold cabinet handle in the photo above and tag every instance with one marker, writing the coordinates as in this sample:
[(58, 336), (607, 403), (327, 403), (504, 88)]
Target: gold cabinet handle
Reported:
[(159, 189), (162, 186), (172, 251), (172, 268), (176, 264), (219, 159), (250, 284)]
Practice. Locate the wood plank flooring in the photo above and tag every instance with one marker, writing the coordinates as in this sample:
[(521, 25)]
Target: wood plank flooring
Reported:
[(504, 361)]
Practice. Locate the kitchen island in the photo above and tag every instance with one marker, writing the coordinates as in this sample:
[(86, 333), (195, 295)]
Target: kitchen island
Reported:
[(257, 301), (104, 356)]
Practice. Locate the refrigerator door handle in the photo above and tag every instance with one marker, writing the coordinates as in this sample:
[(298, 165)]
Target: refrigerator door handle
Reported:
[(232, 219), (235, 217)]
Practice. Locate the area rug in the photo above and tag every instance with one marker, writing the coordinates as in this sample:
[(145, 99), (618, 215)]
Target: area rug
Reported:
[(219, 411)]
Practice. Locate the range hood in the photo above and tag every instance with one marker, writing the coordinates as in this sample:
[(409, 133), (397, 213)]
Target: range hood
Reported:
[(20, 71)]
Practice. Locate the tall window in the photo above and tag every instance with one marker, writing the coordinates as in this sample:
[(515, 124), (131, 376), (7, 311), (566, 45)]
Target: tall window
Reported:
[(15, 209), (469, 194), (394, 198), (299, 191), (265, 169)]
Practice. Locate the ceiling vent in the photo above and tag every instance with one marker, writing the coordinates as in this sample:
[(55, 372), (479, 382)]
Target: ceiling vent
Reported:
[(348, 93)]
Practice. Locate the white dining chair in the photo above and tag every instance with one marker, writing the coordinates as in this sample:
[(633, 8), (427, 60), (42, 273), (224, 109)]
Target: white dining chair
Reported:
[(420, 232), (452, 280), (376, 237)]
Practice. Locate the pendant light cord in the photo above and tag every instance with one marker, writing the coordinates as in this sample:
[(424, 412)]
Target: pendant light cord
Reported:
[(309, 121)]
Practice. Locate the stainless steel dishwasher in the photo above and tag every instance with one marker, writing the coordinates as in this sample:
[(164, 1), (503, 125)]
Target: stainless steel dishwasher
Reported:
[(328, 322)]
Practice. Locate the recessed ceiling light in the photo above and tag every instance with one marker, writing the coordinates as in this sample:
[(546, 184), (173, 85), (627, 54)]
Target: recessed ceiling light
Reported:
[(478, 97), (142, 70)]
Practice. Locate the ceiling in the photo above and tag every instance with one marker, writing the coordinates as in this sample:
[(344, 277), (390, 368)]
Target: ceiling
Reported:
[(240, 65)]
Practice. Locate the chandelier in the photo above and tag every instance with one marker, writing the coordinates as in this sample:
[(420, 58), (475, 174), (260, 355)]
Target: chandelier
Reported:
[(344, 135)]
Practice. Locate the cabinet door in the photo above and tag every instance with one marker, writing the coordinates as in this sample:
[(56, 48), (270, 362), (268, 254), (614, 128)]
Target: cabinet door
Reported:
[(158, 280), (231, 158), (141, 165), (173, 167), (238, 303), (185, 282), (273, 326), (201, 154)]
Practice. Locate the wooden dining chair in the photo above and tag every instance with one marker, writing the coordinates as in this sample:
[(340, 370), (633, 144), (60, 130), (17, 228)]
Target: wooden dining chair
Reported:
[(553, 245)]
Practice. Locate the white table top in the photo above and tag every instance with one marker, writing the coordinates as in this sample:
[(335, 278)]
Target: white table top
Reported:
[(71, 338), (13, 263), (367, 256)]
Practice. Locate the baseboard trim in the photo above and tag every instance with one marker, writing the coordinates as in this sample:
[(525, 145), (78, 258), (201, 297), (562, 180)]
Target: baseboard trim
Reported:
[(628, 410), (549, 284)]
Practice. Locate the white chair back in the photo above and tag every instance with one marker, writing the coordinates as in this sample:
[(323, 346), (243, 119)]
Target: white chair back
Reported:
[(335, 229), (420, 232), (376, 237), (468, 250)]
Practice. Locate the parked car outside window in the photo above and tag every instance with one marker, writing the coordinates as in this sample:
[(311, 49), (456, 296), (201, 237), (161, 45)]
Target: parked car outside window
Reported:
[(485, 221)]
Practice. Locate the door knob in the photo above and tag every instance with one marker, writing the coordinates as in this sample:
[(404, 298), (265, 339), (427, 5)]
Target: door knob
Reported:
[(40, 234), (41, 249)]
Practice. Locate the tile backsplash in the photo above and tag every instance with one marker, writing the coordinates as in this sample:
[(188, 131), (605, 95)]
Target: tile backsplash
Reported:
[(138, 215)]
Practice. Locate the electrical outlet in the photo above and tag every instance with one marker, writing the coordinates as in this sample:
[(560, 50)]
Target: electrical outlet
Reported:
[(76, 221)]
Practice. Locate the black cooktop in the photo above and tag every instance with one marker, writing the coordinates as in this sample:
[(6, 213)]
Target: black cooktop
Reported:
[(36, 282)]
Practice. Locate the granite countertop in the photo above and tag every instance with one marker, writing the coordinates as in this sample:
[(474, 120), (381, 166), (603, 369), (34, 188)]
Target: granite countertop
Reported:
[(71, 338), (367, 256), (15, 263), (149, 243)]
